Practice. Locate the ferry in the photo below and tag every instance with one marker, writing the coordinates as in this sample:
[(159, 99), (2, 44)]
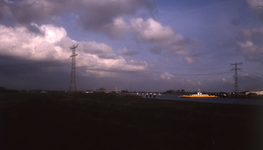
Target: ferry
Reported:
[(198, 95)]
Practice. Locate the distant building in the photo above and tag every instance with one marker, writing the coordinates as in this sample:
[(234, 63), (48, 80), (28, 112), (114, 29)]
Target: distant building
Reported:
[(89, 91), (258, 92), (100, 90)]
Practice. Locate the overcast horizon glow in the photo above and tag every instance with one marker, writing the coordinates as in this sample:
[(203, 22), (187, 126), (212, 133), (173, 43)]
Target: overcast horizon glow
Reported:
[(141, 45)]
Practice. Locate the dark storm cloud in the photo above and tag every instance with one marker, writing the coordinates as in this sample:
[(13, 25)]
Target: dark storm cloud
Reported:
[(13, 65), (93, 15), (34, 75), (1, 10), (34, 29), (25, 12)]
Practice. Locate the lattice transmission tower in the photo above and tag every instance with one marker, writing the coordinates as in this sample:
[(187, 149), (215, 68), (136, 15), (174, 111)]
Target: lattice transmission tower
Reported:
[(236, 79), (73, 85)]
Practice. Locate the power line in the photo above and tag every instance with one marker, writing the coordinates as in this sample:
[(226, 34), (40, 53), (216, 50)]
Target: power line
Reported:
[(254, 77), (254, 72), (148, 71), (196, 69)]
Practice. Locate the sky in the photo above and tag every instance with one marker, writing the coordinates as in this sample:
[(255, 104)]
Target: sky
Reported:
[(134, 45)]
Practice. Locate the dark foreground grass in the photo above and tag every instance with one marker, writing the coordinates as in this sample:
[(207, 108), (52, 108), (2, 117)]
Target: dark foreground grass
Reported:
[(107, 121)]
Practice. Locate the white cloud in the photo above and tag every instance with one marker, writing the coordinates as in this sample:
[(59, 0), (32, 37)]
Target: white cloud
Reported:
[(224, 80), (101, 50), (117, 29), (189, 60), (167, 76), (191, 82), (151, 30), (250, 47), (93, 62), (54, 45), (245, 75), (23, 43), (252, 32), (162, 37), (100, 74), (53, 34)]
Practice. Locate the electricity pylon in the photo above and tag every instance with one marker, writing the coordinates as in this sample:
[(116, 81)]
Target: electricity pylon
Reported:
[(236, 79), (73, 85)]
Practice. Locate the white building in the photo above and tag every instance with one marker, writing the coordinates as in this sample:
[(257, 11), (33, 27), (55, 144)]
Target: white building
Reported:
[(258, 92)]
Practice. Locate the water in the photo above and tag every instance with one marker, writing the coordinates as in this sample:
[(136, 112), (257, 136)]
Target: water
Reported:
[(212, 100)]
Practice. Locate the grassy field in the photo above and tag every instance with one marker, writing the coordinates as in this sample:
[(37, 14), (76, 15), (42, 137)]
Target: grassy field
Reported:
[(108, 121)]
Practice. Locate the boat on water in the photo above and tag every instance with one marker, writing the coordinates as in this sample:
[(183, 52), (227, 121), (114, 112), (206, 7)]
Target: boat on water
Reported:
[(198, 95)]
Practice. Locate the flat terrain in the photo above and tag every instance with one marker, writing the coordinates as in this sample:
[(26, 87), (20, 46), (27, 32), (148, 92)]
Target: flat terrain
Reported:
[(108, 121)]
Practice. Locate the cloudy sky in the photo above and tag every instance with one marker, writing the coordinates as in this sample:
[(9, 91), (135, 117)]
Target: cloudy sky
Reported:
[(142, 45)]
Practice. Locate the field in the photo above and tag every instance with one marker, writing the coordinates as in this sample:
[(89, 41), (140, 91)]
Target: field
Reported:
[(108, 121)]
